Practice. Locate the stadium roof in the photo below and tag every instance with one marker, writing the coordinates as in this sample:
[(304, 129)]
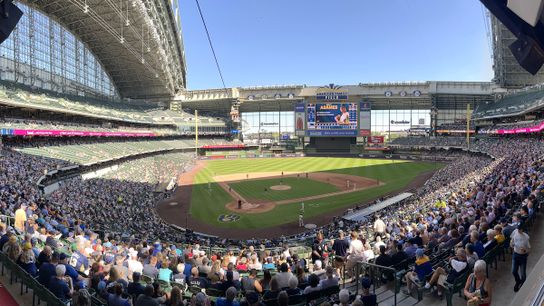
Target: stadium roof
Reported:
[(138, 41), (397, 95)]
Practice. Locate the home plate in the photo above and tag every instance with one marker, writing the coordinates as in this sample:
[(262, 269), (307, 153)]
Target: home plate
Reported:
[(173, 203), (310, 226)]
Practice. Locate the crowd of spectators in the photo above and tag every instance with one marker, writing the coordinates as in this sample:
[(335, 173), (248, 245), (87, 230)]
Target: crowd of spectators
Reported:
[(104, 235), (422, 141), (31, 124)]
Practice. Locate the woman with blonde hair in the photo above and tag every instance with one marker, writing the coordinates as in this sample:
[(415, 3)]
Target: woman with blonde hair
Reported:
[(216, 272), (27, 260), (12, 248)]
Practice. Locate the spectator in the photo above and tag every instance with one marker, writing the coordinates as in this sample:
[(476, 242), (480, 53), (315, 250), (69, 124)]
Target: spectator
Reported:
[(313, 281), (176, 298), (422, 269), (146, 299), (283, 277), (343, 297), (458, 266), (115, 298), (250, 282), (521, 245), (317, 248), (330, 280), (60, 285), (340, 248), (229, 299), (27, 260), (272, 294), (367, 298), (135, 288), (47, 270), (355, 252), (478, 288), (293, 287), (283, 299)]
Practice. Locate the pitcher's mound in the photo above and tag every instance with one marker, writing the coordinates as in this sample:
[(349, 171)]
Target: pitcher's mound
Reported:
[(280, 187)]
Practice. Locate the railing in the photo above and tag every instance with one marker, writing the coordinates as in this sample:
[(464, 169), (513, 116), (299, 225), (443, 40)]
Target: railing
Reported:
[(10, 221), (376, 274)]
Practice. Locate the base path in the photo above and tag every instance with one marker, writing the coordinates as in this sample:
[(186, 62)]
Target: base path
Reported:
[(179, 214), (344, 182)]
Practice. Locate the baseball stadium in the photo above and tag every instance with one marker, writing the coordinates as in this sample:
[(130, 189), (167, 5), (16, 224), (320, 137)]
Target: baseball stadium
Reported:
[(120, 185)]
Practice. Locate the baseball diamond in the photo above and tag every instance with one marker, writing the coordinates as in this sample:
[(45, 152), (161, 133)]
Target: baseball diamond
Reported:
[(214, 187)]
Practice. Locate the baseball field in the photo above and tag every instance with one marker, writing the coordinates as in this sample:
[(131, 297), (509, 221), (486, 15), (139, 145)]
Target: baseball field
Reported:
[(261, 194)]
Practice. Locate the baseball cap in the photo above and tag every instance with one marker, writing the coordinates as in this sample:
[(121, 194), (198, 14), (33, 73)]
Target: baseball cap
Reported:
[(420, 252), (366, 282)]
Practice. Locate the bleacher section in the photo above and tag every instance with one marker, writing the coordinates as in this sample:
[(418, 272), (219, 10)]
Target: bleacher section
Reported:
[(429, 142), (513, 104), (86, 154), (21, 96)]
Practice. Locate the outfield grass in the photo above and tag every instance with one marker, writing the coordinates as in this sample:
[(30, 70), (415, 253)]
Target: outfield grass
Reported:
[(300, 187), (207, 205)]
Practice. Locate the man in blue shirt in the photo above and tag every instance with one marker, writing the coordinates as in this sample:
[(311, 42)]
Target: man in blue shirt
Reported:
[(58, 284), (47, 270), (78, 260), (77, 279)]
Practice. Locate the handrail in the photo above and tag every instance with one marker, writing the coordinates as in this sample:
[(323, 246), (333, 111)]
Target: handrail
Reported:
[(373, 268), (8, 218)]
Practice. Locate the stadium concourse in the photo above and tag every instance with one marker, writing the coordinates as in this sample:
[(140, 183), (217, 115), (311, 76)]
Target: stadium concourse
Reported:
[(105, 235)]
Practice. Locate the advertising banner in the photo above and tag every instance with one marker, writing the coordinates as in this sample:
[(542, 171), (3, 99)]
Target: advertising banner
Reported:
[(532, 129), (332, 133), (376, 139), (364, 132), (300, 115)]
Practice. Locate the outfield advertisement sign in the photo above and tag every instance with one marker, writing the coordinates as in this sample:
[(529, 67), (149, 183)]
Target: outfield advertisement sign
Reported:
[(364, 118), (332, 133)]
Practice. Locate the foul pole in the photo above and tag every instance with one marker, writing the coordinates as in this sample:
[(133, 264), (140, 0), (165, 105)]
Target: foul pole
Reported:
[(196, 132)]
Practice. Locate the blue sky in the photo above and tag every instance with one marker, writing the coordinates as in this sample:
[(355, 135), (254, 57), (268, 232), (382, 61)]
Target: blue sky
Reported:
[(274, 42)]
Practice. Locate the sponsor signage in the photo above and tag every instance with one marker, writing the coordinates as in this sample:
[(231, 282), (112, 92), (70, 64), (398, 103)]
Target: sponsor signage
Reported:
[(364, 132), (312, 133), (400, 122), (331, 92), (376, 139), (240, 146), (365, 106)]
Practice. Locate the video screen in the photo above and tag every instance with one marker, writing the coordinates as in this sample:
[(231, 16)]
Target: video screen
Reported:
[(332, 116)]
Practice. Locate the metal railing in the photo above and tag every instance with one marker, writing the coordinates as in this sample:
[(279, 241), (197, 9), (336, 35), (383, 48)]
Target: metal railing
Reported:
[(376, 273)]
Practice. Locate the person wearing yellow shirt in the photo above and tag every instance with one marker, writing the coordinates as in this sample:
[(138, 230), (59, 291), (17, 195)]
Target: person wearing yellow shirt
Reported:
[(500, 238), (20, 218)]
